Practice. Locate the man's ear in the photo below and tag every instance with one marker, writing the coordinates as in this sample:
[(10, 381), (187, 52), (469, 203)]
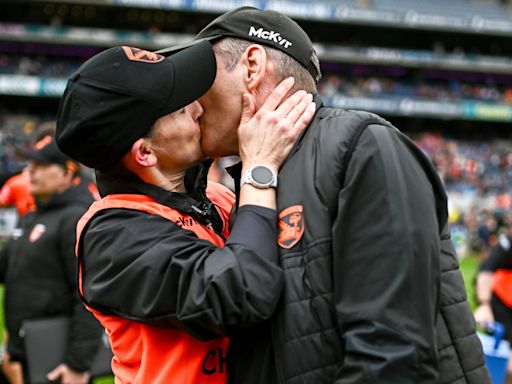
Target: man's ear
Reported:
[(142, 154), (255, 62), (69, 172), (71, 167)]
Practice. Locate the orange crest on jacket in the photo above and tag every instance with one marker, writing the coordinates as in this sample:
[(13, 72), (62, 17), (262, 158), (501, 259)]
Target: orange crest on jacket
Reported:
[(291, 226), (137, 54)]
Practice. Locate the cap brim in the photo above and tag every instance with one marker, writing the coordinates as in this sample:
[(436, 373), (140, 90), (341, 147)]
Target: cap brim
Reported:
[(176, 48), (30, 154), (195, 68), (49, 154)]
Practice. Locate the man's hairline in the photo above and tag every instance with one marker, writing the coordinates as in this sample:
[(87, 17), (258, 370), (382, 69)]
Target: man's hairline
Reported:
[(267, 48)]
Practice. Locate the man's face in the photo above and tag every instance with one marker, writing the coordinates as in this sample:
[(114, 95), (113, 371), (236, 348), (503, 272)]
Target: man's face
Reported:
[(222, 110), (176, 138), (47, 179)]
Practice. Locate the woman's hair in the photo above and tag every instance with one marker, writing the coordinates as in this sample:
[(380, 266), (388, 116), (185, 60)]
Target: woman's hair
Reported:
[(231, 50), (115, 172)]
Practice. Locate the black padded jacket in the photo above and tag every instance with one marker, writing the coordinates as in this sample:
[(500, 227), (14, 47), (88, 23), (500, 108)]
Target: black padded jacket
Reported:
[(39, 270), (373, 291)]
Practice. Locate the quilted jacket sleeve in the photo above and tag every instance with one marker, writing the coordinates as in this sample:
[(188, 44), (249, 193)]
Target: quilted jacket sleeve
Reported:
[(386, 265)]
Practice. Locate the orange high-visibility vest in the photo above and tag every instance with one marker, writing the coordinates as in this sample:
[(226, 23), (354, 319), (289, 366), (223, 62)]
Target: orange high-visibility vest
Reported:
[(146, 354), (502, 285)]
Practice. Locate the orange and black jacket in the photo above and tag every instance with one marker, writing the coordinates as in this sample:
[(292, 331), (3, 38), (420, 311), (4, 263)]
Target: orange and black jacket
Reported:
[(154, 271)]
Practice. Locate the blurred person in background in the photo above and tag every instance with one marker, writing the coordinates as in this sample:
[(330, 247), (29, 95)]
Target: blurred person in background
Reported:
[(488, 230), (38, 266), (16, 190), (494, 287), (365, 248), (160, 265)]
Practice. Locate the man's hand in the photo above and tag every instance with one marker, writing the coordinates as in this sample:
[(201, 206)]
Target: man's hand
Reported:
[(483, 314), (68, 376), (266, 136), (12, 370)]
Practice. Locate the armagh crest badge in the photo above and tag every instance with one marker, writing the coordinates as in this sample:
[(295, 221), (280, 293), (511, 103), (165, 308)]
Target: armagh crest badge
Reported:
[(37, 232), (137, 54), (291, 226)]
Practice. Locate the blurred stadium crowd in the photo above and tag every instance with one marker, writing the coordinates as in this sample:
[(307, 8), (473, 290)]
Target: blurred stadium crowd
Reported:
[(432, 85), (350, 80), (478, 178)]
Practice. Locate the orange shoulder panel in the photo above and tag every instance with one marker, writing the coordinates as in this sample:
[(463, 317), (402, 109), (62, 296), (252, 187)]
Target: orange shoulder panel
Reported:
[(502, 285)]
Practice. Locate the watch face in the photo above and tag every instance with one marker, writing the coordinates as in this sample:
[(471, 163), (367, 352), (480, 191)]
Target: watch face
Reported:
[(262, 175)]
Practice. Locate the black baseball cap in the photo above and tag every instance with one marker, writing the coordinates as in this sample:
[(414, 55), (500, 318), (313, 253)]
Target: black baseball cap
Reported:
[(44, 152), (267, 27), (115, 97)]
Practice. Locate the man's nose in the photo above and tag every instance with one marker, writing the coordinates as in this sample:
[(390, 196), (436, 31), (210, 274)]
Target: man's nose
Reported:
[(199, 110)]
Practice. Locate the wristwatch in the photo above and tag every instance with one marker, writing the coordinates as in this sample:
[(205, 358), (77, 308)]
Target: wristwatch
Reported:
[(260, 176)]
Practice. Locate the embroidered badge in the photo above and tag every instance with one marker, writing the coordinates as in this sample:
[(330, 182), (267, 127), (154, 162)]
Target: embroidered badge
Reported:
[(137, 54), (37, 232), (291, 226)]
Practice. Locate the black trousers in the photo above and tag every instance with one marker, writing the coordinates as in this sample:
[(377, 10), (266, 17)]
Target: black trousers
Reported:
[(503, 314)]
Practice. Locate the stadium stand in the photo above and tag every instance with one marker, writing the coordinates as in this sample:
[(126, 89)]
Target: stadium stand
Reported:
[(457, 8)]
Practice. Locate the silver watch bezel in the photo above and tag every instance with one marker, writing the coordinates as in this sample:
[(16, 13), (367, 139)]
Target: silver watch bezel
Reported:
[(248, 179)]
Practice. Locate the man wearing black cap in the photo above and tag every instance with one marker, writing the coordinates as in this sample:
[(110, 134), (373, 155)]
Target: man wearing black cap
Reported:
[(362, 225), (157, 267), (38, 266)]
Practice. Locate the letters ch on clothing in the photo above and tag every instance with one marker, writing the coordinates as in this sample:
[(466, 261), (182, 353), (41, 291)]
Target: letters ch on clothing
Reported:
[(214, 362)]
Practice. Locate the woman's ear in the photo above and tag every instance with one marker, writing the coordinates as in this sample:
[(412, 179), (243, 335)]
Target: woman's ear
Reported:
[(254, 60), (142, 153)]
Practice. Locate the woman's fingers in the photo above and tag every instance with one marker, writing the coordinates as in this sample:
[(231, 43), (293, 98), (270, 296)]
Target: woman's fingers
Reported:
[(277, 95), (290, 103), (304, 119), (298, 108), (267, 135)]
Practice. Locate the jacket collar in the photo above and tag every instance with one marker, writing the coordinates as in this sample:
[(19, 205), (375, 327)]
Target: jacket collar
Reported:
[(319, 104), (194, 202)]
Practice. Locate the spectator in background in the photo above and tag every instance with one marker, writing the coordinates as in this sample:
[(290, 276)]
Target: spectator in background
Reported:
[(494, 287), (38, 267), (488, 230), (16, 190)]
